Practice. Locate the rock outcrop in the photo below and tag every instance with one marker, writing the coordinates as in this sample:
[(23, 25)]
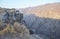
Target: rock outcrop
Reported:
[(12, 27), (12, 17)]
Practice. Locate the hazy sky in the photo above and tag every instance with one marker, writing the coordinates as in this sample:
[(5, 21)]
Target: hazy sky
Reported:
[(24, 3)]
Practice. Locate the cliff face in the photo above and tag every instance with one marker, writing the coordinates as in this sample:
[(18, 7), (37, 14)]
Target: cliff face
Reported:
[(45, 27), (48, 11)]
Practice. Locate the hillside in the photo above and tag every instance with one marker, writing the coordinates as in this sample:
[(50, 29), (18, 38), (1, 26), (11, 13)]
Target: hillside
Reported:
[(40, 22), (48, 10)]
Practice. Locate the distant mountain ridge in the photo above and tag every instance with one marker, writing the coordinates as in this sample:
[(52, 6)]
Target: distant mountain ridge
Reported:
[(51, 10), (48, 10)]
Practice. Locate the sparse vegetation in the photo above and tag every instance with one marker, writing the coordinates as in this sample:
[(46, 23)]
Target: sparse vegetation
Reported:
[(16, 28)]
